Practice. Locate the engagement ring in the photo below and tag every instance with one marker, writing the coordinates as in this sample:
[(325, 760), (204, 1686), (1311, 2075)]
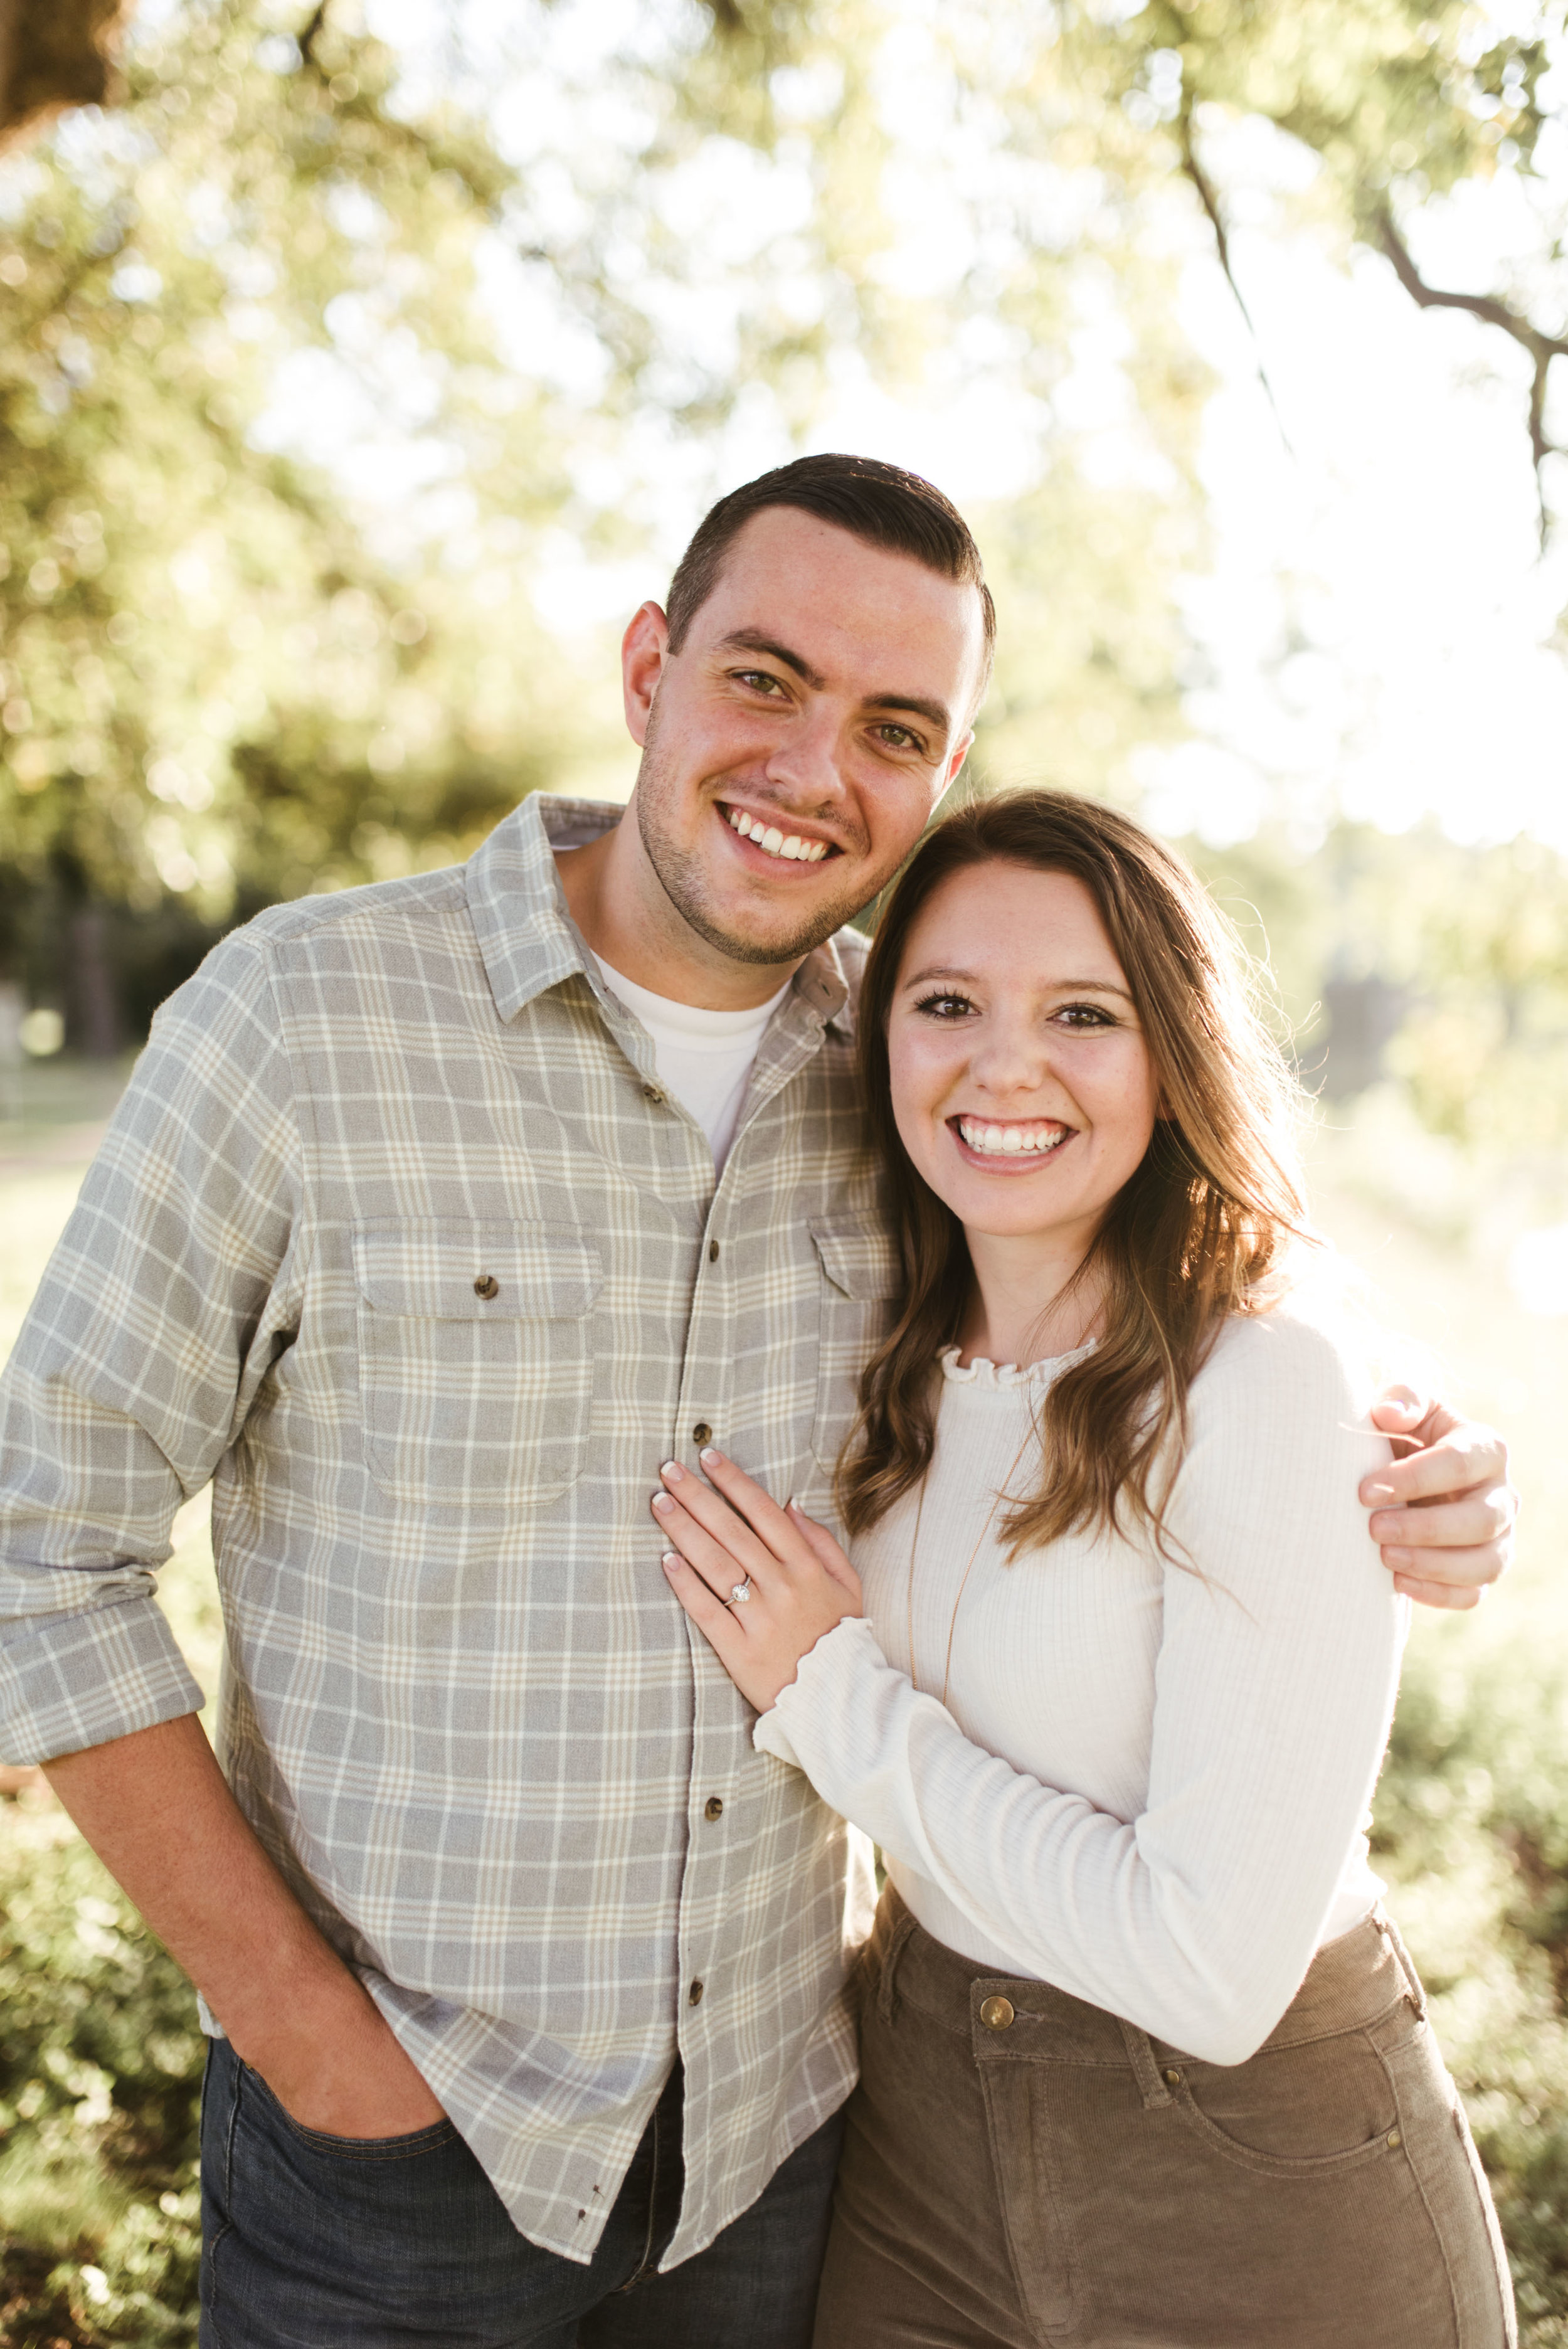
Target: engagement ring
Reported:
[(741, 1592)]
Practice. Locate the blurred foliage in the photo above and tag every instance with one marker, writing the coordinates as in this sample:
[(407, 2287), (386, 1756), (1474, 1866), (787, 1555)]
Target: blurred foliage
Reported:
[(1393, 95), (539, 268), (100, 2059), (214, 693), (1414, 961), (1473, 1837)]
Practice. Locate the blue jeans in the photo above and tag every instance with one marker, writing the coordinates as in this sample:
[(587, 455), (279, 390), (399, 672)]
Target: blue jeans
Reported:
[(330, 2243)]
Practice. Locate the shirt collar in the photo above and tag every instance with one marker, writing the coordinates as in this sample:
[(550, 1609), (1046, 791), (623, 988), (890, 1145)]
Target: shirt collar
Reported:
[(525, 934), (527, 938)]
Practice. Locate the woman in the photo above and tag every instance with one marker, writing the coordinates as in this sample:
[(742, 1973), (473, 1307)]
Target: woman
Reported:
[(1145, 2065)]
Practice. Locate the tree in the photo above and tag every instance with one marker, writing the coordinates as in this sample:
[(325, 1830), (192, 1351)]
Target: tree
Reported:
[(579, 273), (224, 677)]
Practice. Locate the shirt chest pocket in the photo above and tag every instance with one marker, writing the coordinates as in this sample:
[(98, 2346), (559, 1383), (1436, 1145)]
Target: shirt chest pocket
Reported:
[(860, 1281), (475, 1358)]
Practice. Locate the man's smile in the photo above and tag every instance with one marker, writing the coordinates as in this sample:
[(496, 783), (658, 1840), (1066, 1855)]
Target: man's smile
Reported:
[(794, 845)]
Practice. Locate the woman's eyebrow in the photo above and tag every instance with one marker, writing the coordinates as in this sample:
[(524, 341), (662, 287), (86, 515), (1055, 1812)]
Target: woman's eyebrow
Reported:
[(1053, 987), (1089, 987), (939, 970)]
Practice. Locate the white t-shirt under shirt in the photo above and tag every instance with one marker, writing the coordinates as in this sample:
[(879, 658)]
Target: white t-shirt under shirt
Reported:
[(703, 1058), (1148, 1785)]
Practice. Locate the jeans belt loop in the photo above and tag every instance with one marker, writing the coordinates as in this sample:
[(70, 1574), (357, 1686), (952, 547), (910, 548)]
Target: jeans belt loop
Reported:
[(1403, 1960), (1145, 2070), (887, 1998)]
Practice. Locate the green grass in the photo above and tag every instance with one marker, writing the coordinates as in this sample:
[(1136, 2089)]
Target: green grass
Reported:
[(99, 2053)]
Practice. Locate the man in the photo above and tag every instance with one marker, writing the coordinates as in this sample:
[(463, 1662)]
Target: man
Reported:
[(427, 1249)]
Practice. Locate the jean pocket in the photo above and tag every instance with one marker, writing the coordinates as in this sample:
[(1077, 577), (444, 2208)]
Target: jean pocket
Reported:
[(404, 2148), (1303, 2112)]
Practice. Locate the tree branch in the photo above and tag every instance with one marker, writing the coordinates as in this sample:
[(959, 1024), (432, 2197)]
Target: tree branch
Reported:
[(1492, 312), (309, 37), (1207, 196)]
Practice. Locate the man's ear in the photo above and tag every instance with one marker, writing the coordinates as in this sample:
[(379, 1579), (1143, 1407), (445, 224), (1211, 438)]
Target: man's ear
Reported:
[(644, 648)]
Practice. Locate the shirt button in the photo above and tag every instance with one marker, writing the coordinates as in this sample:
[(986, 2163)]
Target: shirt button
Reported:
[(487, 1286), (694, 1996), (652, 1092), (702, 1433), (997, 2013), (714, 1808), (713, 1251)]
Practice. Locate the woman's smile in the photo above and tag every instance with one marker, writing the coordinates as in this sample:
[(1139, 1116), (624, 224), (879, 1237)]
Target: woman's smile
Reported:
[(1008, 1148)]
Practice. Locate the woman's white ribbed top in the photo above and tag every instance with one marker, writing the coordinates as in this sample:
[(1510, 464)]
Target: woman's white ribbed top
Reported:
[(1148, 1785)]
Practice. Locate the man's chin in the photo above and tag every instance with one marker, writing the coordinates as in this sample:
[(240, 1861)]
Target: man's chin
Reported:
[(746, 919), (739, 936)]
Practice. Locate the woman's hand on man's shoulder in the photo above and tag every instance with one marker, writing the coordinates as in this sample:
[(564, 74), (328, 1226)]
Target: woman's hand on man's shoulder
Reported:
[(1443, 1511)]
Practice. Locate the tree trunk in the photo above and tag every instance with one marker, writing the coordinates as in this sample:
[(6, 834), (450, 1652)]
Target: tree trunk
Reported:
[(93, 1024), (55, 54)]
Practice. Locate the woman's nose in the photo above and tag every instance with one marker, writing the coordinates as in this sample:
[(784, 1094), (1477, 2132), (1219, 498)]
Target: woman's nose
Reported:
[(1011, 1059)]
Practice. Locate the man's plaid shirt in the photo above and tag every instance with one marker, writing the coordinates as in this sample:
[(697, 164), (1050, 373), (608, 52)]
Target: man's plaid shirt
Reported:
[(396, 1238)]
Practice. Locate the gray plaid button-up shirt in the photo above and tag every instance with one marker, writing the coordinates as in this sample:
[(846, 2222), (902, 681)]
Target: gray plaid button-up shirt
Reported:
[(396, 1239)]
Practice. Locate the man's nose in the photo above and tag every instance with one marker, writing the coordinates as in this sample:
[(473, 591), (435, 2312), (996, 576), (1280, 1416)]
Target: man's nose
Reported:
[(809, 763)]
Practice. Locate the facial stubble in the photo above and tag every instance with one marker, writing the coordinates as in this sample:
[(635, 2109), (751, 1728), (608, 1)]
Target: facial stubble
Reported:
[(680, 875)]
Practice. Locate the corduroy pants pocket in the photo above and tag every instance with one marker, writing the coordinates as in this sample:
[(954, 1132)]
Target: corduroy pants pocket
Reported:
[(1023, 2168)]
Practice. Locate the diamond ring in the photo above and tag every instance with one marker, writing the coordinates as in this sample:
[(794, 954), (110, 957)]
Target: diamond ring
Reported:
[(741, 1592)]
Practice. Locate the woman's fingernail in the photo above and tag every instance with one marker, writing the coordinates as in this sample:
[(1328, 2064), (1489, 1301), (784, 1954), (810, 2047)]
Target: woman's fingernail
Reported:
[(663, 1503), (673, 1470), (669, 1561), (710, 1458), (792, 1504), (1371, 1492)]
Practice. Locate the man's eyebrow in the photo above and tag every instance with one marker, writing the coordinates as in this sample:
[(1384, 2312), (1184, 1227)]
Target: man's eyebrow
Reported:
[(936, 712), (1055, 986), (752, 640)]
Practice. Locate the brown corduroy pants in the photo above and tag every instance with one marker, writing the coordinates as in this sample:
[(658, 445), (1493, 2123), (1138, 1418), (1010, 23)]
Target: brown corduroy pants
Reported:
[(1021, 2168)]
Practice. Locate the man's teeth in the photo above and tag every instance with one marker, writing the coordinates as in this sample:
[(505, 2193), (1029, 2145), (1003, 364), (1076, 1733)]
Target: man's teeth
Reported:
[(1011, 1141), (774, 843)]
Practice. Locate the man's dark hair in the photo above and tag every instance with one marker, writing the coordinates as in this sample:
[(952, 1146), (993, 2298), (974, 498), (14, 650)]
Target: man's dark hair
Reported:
[(880, 504)]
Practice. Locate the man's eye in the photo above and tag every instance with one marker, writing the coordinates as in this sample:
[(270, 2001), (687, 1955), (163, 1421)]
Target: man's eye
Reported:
[(899, 738), (943, 1007), (760, 679)]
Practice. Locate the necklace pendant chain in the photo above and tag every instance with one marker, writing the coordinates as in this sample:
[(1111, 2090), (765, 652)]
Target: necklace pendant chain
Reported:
[(997, 1498)]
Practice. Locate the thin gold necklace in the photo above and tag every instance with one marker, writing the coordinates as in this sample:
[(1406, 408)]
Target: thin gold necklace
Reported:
[(997, 1498)]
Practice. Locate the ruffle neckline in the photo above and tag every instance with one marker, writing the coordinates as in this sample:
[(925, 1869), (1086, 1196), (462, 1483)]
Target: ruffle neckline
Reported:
[(998, 1378)]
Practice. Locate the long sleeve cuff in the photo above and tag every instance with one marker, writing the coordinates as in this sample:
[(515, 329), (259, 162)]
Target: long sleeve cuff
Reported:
[(823, 1679), (67, 1681)]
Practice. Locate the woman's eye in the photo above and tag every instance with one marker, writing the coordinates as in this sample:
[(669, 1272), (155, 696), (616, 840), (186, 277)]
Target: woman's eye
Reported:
[(943, 1007), (1083, 1014)]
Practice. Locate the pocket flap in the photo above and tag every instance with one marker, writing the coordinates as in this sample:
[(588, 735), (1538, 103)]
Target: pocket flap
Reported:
[(476, 1272), (859, 1258)]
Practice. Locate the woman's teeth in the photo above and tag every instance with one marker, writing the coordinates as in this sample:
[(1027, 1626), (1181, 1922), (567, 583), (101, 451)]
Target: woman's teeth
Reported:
[(774, 843), (1011, 1141)]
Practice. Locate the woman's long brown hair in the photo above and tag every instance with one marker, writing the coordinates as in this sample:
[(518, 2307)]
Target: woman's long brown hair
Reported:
[(1198, 1233)]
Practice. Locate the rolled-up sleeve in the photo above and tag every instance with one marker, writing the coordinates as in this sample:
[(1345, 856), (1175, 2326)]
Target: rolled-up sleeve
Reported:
[(164, 1305)]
